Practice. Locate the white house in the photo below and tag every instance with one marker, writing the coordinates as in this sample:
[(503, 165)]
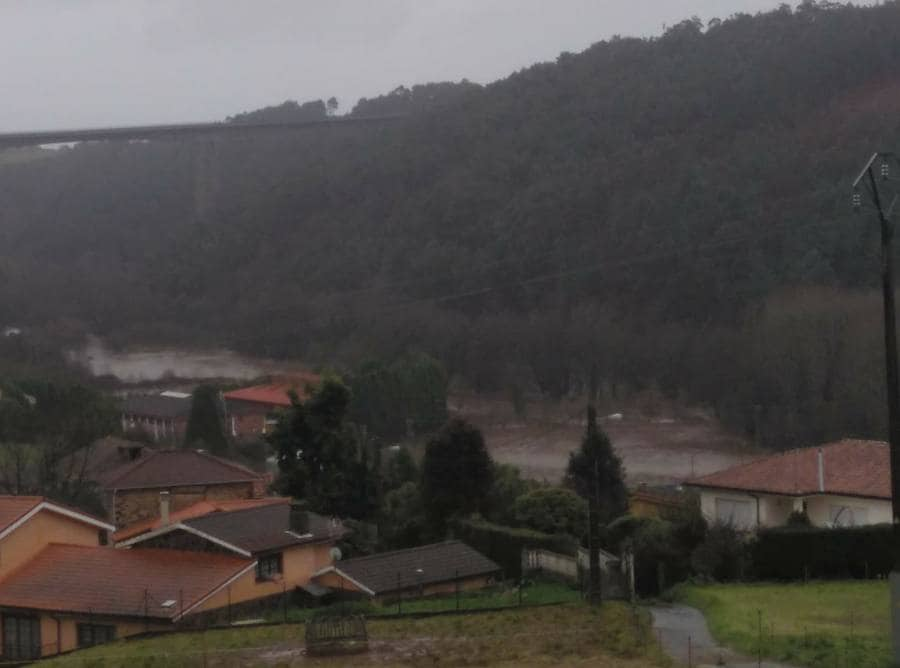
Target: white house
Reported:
[(847, 483)]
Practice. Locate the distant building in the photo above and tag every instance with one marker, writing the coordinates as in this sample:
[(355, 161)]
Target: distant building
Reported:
[(163, 417), (251, 412), (847, 483), (646, 501), (131, 491), (440, 568), (96, 460)]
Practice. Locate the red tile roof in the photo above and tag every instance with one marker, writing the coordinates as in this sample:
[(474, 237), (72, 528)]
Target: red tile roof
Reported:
[(198, 509), (16, 508), (851, 468), (276, 393), (164, 468), (13, 508), (110, 581)]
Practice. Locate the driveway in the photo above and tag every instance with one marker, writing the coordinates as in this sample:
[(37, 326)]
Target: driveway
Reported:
[(684, 635)]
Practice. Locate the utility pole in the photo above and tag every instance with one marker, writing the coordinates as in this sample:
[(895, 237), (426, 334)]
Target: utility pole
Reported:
[(595, 594), (867, 181)]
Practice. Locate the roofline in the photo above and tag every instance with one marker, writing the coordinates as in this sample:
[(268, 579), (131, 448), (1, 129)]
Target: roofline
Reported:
[(264, 402), (184, 527), (54, 508), (134, 529), (138, 616), (753, 490), (410, 549), (335, 569), (190, 484), (154, 453), (241, 573)]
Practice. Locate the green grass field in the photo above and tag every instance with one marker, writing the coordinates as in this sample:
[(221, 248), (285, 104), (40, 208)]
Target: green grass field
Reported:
[(573, 634), (539, 593), (821, 624)]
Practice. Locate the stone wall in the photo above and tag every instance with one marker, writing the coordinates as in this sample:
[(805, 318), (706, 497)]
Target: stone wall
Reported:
[(134, 505)]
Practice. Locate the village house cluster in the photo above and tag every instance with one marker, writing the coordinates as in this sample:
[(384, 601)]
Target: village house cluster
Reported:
[(193, 539), (188, 539)]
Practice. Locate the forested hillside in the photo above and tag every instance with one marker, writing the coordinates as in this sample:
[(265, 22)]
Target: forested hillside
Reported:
[(669, 212)]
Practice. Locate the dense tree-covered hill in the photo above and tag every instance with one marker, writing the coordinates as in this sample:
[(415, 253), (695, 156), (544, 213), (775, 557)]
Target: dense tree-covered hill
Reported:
[(669, 213)]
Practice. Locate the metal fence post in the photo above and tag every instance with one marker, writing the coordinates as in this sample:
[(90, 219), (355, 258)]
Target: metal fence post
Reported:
[(399, 596), (284, 599), (456, 583), (759, 639), (690, 652)]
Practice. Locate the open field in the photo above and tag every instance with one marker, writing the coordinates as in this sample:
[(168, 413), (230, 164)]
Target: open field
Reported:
[(615, 636), (820, 624), (657, 445)]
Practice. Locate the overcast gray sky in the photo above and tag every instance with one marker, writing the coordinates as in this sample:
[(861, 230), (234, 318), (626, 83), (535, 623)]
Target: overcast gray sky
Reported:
[(80, 63)]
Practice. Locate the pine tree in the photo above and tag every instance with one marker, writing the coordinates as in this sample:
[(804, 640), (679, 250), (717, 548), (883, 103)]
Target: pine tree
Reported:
[(457, 472), (204, 427), (596, 457)]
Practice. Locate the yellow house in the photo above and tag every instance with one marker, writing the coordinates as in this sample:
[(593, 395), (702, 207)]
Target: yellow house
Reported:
[(73, 596), (286, 544), (29, 523), (62, 588)]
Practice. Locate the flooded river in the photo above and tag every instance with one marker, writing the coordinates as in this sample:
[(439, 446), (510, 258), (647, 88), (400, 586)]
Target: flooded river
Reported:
[(147, 365)]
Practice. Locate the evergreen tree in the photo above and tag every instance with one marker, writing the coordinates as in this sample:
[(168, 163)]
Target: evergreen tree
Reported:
[(319, 455), (457, 473), (204, 427), (595, 470)]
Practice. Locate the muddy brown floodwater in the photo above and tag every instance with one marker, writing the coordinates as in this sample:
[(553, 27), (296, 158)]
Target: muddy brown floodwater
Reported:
[(665, 448)]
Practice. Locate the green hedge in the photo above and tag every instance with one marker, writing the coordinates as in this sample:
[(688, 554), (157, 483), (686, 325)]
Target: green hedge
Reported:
[(505, 544), (797, 553)]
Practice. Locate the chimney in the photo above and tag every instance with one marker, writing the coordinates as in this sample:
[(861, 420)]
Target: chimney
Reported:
[(164, 508), (299, 519), (821, 470)]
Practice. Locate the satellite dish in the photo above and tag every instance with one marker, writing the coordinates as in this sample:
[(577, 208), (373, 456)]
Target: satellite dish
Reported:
[(336, 554)]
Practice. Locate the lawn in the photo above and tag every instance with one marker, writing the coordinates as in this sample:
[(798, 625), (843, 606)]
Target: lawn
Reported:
[(573, 634), (819, 624), (539, 593)]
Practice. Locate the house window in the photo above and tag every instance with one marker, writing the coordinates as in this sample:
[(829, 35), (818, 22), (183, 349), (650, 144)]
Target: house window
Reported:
[(21, 637), (268, 567), (95, 634), (734, 512)]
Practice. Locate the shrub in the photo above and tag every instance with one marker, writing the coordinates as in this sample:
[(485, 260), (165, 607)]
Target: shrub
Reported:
[(792, 553), (505, 544), (722, 554)]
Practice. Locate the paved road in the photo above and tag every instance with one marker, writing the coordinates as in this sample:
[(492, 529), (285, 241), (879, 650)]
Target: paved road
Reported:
[(683, 633)]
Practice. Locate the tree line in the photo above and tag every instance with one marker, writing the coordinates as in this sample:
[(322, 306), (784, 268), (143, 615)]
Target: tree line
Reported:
[(667, 213)]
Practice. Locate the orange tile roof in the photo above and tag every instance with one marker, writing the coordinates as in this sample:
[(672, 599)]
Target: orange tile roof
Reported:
[(276, 393), (13, 508), (111, 581), (851, 468), (164, 468), (198, 509)]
